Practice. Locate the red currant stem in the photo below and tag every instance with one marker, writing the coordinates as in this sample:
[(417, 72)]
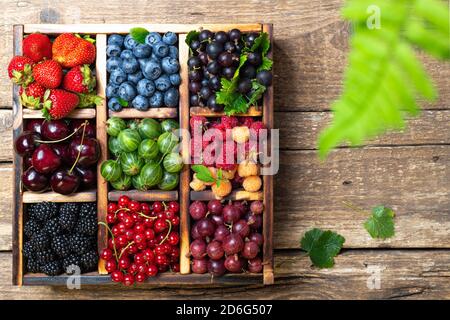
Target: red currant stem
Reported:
[(126, 247), (64, 139), (168, 232), (120, 209), (112, 238), (145, 216), (81, 148), (165, 205), (355, 208)]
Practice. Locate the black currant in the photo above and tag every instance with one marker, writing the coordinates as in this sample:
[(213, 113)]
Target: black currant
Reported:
[(213, 105), (250, 39), (248, 71), (195, 45), (195, 86), (205, 93), (213, 67), (194, 100), (244, 86), (203, 57), (195, 75), (214, 83), (221, 37), (254, 58), (235, 35), (228, 72), (225, 59), (213, 49), (194, 62), (264, 77), (230, 47), (205, 35)]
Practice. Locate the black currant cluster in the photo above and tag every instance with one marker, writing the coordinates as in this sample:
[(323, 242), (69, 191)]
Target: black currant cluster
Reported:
[(58, 236), (217, 55)]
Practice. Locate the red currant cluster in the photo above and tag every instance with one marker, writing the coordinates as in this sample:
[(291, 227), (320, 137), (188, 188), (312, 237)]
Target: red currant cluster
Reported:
[(143, 239)]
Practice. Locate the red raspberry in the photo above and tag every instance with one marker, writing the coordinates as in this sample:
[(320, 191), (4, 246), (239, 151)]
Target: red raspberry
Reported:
[(257, 125), (247, 121), (229, 122), (197, 120), (218, 125)]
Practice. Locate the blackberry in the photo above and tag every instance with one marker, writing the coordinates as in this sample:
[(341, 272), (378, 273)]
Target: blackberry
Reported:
[(28, 250), (61, 245), (33, 266), (31, 228), (69, 260), (40, 241), (44, 257), (68, 214), (43, 211), (52, 227), (52, 268), (87, 210), (80, 244), (87, 226), (89, 261)]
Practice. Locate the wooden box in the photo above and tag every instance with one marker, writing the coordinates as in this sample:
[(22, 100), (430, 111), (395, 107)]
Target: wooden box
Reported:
[(101, 194)]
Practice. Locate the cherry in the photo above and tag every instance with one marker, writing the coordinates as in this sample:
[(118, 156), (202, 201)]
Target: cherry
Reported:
[(54, 129), (117, 276), (26, 143), (134, 206), (174, 206), (128, 280), (106, 254), (64, 181), (34, 181), (157, 206), (173, 238), (112, 208), (141, 277), (110, 265), (152, 270), (124, 263), (88, 148), (87, 175), (34, 125), (27, 162), (45, 159), (89, 130)]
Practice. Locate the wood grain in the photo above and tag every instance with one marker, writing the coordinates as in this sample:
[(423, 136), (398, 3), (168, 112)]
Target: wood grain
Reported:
[(234, 195), (82, 196), (88, 113), (412, 274), (159, 113), (207, 112), (151, 195)]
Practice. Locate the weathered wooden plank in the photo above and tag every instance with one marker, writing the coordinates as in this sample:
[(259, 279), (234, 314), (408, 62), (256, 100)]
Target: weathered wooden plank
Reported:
[(408, 274), (311, 40), (6, 206)]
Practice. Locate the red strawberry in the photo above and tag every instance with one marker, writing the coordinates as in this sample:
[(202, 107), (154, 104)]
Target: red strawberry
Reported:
[(48, 74), (79, 79), (33, 95), (19, 70), (37, 47), (71, 50), (59, 104)]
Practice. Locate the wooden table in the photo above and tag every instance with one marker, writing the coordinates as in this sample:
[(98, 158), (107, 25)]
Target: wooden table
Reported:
[(409, 171)]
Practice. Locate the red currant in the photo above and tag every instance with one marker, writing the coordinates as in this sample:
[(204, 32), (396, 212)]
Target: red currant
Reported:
[(175, 252), (129, 234), (120, 241), (169, 214), (160, 225), (152, 243), (139, 228), (174, 206), (133, 268), (110, 265), (117, 276), (149, 234), (175, 221), (167, 248), (124, 263), (142, 246), (106, 254), (161, 260), (122, 228), (139, 238), (152, 270), (145, 208), (121, 215), (112, 208), (157, 206), (175, 267), (161, 215), (142, 267), (148, 223), (128, 221), (134, 206), (123, 201), (111, 244), (111, 218), (128, 280), (132, 249), (116, 231), (163, 267), (159, 250), (173, 238), (141, 277), (149, 256), (139, 258)]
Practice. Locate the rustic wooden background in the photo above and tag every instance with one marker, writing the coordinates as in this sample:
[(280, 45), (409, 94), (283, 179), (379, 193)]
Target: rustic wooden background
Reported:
[(409, 171)]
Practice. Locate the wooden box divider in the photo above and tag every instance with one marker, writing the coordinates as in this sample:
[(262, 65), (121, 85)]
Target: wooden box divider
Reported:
[(102, 194)]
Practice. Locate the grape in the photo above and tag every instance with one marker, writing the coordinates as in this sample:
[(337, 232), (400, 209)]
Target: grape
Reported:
[(244, 86), (199, 266), (231, 213), (213, 67), (221, 233), (213, 49), (232, 244), (194, 233), (198, 248), (195, 75), (241, 228), (225, 59), (197, 210), (194, 62), (234, 264), (254, 58), (221, 37), (217, 219), (256, 237), (251, 250), (215, 207), (228, 72), (235, 35), (195, 86), (216, 267), (255, 265), (257, 207), (205, 227), (215, 250), (205, 35)]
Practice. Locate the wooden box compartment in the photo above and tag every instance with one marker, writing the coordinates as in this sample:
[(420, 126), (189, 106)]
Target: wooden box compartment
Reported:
[(102, 194)]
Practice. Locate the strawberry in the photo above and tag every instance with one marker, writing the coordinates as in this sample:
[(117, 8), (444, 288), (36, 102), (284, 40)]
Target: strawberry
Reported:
[(71, 50), (33, 95), (59, 104), (19, 70), (48, 74), (79, 79), (37, 47)]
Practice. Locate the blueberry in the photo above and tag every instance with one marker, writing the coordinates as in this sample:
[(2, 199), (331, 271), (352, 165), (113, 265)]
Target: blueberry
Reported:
[(155, 57), (173, 52), (113, 50), (170, 65), (118, 76), (152, 69), (127, 91), (112, 90), (116, 39), (142, 51), (146, 88), (175, 79), (171, 97), (156, 101), (126, 54), (114, 104), (170, 38), (161, 49), (135, 77), (130, 65), (140, 103), (129, 42), (162, 83), (113, 63), (152, 38)]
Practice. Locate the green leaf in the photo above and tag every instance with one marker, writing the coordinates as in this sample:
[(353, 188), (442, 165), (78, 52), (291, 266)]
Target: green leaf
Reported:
[(381, 224), (203, 173), (192, 35), (262, 42), (139, 34), (258, 91), (265, 65), (123, 103), (322, 246)]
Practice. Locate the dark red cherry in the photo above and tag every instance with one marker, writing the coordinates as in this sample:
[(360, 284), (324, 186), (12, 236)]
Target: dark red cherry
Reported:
[(27, 162), (61, 151), (34, 125), (34, 181), (87, 175), (90, 129), (90, 151), (45, 160), (26, 143), (55, 129), (64, 182)]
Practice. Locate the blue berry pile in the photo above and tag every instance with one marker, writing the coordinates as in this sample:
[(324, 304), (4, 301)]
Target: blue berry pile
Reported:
[(143, 76)]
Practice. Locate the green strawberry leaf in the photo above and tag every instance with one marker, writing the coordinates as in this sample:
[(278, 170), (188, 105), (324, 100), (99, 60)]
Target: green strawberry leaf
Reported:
[(322, 246), (139, 34), (380, 224), (203, 173), (192, 35)]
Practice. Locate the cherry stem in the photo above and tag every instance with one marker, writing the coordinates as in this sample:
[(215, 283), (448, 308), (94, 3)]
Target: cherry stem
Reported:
[(112, 238), (64, 139), (124, 249), (353, 207), (81, 147), (168, 232)]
